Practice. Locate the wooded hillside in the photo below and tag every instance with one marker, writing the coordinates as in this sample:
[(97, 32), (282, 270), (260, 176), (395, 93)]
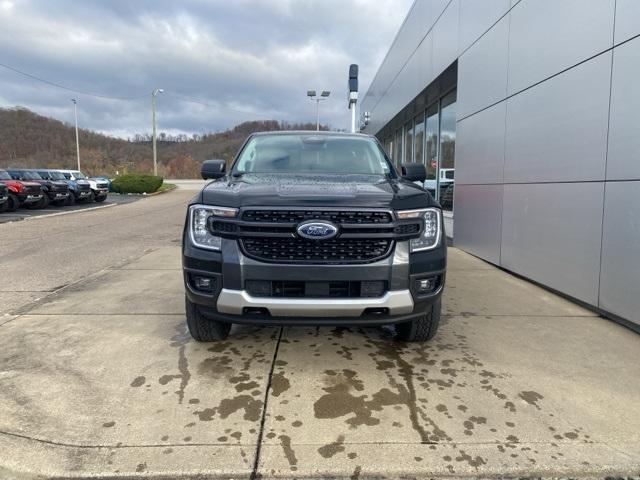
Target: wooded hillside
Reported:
[(31, 140)]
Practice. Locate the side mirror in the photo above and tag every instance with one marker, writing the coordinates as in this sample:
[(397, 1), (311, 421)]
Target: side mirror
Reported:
[(213, 169), (414, 172)]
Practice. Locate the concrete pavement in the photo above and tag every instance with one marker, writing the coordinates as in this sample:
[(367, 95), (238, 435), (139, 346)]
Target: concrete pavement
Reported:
[(40, 257), (101, 380)]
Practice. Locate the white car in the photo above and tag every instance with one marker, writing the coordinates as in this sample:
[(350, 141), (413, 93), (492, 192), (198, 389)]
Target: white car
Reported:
[(446, 178), (99, 187)]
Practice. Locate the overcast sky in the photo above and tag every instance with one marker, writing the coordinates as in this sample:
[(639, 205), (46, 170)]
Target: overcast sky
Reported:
[(245, 59)]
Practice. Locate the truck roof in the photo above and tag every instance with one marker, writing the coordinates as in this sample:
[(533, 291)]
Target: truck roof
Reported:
[(314, 133)]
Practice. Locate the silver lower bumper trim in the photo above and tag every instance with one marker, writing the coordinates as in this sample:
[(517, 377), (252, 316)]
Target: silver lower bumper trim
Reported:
[(233, 302)]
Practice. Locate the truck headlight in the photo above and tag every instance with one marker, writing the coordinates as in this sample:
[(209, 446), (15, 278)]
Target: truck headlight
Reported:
[(198, 225), (430, 236)]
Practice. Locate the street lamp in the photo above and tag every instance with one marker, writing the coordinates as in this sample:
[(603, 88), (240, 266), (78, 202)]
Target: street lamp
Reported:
[(75, 113), (323, 96), (154, 94)]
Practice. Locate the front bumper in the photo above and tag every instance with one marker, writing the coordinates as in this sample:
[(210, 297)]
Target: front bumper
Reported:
[(101, 192), (230, 301), (236, 302), (28, 199), (83, 194), (56, 196)]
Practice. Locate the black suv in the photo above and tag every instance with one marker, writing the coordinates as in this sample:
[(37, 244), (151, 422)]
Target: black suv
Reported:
[(313, 228), (55, 192)]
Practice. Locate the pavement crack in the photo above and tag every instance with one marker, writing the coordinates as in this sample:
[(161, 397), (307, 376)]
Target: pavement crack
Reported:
[(256, 462)]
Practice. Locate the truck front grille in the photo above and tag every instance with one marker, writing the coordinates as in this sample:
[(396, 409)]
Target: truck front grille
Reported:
[(300, 250), (270, 235)]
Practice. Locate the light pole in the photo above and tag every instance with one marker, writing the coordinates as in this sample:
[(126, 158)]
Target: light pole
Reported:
[(75, 113), (323, 96), (154, 94)]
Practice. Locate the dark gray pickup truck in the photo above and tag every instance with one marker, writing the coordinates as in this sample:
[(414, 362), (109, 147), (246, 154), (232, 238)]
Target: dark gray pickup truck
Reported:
[(313, 228)]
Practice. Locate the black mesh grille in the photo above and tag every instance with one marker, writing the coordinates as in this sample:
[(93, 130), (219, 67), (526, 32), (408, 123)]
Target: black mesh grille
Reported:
[(331, 289), (307, 251), (296, 216), (84, 188), (407, 229), (32, 189)]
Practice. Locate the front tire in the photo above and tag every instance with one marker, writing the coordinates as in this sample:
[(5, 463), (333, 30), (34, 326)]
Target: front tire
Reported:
[(71, 199), (100, 199), (13, 203), (422, 328), (42, 203), (203, 329)]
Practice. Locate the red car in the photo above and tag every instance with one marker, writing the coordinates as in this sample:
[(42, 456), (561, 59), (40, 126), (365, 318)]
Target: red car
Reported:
[(20, 193)]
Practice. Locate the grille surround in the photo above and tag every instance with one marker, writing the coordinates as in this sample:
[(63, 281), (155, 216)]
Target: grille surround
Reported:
[(269, 234)]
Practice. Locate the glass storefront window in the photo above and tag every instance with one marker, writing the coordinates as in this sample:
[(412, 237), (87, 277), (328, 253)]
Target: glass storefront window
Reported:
[(418, 143), (397, 152), (447, 149), (431, 151), (408, 142)]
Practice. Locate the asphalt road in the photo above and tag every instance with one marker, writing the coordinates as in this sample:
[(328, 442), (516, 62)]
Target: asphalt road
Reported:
[(41, 256), (100, 379)]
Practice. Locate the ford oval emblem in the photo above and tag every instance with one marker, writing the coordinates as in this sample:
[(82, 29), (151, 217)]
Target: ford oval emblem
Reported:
[(314, 230)]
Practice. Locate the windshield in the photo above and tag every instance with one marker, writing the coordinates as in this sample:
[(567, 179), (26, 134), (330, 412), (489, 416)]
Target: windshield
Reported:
[(30, 175), (312, 154), (4, 175), (78, 174), (55, 176)]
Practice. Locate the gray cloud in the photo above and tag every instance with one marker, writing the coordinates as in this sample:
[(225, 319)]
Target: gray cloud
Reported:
[(257, 57)]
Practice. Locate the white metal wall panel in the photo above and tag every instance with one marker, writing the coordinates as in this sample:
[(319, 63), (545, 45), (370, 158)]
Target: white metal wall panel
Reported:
[(482, 71), (623, 161), (548, 36), (551, 234), (627, 20), (478, 221), (620, 277), (557, 130), (445, 39), (476, 17), (480, 147)]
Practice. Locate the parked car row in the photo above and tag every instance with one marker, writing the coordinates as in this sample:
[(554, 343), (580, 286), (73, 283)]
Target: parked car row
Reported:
[(39, 188)]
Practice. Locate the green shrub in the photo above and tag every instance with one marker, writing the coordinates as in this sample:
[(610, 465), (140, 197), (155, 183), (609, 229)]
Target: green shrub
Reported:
[(136, 183)]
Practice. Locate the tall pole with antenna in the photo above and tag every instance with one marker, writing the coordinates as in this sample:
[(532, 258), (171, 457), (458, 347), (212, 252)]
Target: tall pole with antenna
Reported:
[(75, 113)]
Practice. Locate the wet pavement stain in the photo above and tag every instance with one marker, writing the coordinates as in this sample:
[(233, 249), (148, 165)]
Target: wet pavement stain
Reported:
[(531, 398), (475, 462), (252, 409), (108, 424), (279, 384), (285, 442), (328, 451), (356, 473), (138, 381)]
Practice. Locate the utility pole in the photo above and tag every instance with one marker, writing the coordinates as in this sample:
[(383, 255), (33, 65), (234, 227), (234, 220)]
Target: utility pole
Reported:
[(353, 94), (154, 94), (323, 96), (75, 112)]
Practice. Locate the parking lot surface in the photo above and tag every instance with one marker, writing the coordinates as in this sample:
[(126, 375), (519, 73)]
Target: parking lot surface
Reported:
[(100, 379), (25, 213)]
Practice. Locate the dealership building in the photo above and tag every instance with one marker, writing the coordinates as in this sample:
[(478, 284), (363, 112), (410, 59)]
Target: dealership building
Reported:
[(526, 115)]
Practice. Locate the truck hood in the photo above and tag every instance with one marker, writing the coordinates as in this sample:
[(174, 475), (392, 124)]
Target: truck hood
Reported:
[(314, 190)]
